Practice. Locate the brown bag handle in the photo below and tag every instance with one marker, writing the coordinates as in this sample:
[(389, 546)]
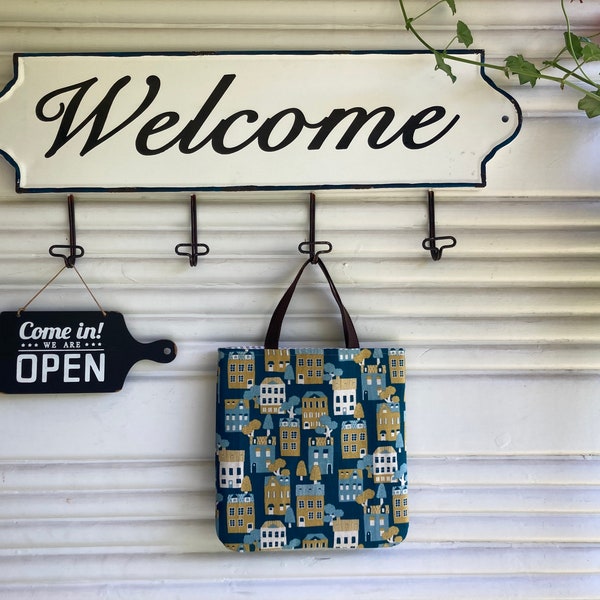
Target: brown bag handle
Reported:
[(274, 330)]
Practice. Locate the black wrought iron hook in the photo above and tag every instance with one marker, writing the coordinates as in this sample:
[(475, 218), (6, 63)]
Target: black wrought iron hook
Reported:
[(196, 249), (310, 246), (75, 251), (429, 243)]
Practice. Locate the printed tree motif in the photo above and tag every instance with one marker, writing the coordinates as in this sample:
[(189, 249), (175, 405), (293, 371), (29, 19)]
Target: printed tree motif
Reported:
[(301, 471), (221, 443), (387, 394), (251, 427), (390, 534), (364, 497), (252, 538), (290, 404), (359, 412), (332, 513), (366, 462), (330, 372), (401, 475), (315, 473), (268, 424), (399, 441), (276, 466), (246, 485), (289, 375), (295, 543), (381, 494), (253, 393), (378, 354), (290, 517), (328, 426), (362, 356)]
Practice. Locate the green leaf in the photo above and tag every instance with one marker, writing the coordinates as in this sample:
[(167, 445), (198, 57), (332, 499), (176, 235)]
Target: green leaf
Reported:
[(590, 105), (525, 70), (443, 65), (591, 52), (452, 5), (573, 45), (464, 34)]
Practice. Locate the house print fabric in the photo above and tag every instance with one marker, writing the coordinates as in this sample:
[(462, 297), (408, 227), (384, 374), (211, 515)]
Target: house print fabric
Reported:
[(310, 448)]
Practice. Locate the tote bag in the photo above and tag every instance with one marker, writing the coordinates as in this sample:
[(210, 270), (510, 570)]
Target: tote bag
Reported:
[(310, 449)]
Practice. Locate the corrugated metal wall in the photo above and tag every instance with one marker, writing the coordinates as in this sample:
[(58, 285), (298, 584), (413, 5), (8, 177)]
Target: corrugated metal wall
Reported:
[(111, 496)]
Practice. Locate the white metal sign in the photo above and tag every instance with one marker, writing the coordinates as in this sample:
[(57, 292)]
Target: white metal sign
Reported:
[(250, 121)]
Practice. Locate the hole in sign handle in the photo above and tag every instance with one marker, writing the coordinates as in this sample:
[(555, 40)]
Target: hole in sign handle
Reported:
[(161, 351)]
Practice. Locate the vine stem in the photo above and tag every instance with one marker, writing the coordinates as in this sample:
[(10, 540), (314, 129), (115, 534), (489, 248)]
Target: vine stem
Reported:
[(562, 81), (569, 45), (429, 9)]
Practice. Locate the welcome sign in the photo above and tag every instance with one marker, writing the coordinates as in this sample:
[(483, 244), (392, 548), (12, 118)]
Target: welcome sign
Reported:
[(305, 120), (52, 352)]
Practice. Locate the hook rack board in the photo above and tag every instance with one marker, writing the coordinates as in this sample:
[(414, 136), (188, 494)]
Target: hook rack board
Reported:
[(197, 249)]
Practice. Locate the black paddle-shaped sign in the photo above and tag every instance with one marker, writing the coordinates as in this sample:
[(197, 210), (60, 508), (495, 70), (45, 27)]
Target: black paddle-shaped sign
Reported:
[(70, 352)]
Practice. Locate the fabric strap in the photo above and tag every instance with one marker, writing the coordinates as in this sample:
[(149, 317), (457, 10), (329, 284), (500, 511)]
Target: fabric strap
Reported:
[(274, 330)]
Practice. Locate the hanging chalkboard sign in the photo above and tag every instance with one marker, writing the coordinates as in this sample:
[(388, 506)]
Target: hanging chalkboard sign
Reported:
[(70, 352)]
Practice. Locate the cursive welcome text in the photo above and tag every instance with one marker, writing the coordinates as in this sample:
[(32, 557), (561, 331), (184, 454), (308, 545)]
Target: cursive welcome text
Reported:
[(269, 133)]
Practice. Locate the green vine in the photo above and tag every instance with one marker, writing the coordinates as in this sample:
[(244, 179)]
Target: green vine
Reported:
[(580, 49)]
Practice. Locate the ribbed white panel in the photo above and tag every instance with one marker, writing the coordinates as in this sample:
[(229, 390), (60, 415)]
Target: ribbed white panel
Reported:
[(111, 496)]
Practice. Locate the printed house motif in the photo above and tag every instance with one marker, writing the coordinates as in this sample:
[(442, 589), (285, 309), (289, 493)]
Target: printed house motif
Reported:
[(314, 406), (237, 414), (231, 468), (310, 503), (385, 464), (321, 453), (315, 541), (354, 439), (348, 354), (240, 513), (276, 360), (345, 533), (350, 484), (374, 381), (272, 535), (289, 437), (309, 366), (388, 422), (240, 369), (262, 453), (400, 504), (344, 396), (396, 365), (377, 522), (277, 494), (272, 395), (310, 449)]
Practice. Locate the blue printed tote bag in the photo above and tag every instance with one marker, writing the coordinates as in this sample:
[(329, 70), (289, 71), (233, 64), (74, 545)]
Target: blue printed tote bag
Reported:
[(310, 443)]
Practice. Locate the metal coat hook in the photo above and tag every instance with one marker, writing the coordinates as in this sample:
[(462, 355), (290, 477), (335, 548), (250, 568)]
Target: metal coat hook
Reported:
[(310, 246), (196, 249), (429, 243), (75, 251)]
